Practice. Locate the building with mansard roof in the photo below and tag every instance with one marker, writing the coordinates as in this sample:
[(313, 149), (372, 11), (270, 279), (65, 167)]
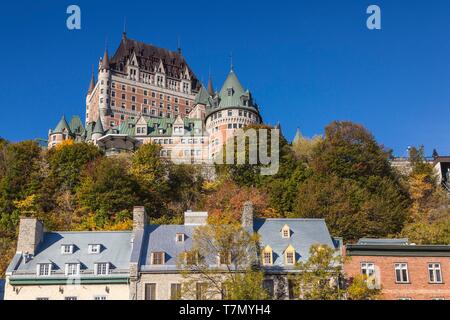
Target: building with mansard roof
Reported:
[(146, 94)]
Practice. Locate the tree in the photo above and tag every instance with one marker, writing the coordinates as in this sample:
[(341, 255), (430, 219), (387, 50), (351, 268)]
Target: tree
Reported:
[(303, 147), (319, 278), (220, 263), (107, 188), (67, 160), (423, 232), (358, 289)]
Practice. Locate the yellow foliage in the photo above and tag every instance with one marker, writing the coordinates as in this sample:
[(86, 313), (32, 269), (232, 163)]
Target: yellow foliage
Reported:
[(64, 144), (26, 206)]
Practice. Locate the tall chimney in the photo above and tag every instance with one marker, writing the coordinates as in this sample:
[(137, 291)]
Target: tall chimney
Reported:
[(139, 218), (247, 216), (31, 234)]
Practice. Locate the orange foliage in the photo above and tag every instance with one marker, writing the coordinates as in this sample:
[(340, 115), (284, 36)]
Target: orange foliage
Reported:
[(227, 201)]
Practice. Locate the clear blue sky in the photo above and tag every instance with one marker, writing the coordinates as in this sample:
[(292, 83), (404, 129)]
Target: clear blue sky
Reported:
[(307, 62)]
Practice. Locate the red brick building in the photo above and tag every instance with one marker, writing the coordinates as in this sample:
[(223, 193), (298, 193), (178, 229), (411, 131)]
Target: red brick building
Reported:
[(405, 271)]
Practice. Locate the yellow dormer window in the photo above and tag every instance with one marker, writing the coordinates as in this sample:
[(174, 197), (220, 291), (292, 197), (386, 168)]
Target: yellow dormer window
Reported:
[(286, 232), (267, 256), (289, 256)]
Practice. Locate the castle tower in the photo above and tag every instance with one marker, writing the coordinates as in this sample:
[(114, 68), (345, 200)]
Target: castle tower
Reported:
[(98, 131), (104, 81), (232, 108)]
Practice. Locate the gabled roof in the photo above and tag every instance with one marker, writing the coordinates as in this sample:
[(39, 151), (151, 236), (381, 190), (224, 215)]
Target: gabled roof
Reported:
[(76, 126), (202, 97)]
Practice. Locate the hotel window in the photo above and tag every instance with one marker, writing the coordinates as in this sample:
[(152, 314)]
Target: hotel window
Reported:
[(157, 257), (367, 268), (145, 110), (94, 248), (113, 93), (123, 105), (122, 117), (230, 113), (240, 112), (100, 298), (175, 291), (230, 126), (401, 273), (72, 269), (434, 272), (145, 92), (133, 107), (102, 268), (133, 98), (113, 103), (133, 89), (123, 87), (113, 84), (44, 269), (145, 101), (180, 237), (123, 96), (67, 249)]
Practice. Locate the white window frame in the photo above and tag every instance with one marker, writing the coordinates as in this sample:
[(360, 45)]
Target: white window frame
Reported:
[(401, 266), (70, 272), (367, 268), (180, 237), (162, 260), (433, 269), (44, 265), (66, 248), (91, 248), (99, 267)]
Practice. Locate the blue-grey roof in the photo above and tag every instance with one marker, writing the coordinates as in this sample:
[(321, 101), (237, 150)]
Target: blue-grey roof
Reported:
[(304, 233), (161, 238), (115, 249)]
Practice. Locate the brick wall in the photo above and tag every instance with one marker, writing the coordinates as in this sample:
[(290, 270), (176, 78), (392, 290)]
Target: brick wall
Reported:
[(418, 288)]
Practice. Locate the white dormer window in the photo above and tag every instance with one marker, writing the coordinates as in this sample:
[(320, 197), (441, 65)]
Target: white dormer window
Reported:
[(158, 258), (44, 269), (67, 249), (230, 91), (289, 255), (101, 268), (180, 237), (72, 269), (94, 248), (286, 232)]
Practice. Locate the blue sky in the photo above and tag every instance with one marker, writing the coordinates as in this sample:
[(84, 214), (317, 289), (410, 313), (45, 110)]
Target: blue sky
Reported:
[(307, 62)]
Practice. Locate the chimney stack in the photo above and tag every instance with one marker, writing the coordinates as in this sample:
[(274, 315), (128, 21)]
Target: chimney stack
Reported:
[(247, 216), (31, 234), (139, 218), (195, 218)]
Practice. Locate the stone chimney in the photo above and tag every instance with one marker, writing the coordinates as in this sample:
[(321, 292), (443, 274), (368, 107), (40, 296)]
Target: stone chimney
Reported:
[(31, 234), (195, 218), (247, 215), (139, 218)]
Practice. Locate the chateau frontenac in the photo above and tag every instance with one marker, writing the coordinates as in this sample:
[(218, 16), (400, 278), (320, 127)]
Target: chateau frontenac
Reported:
[(145, 94)]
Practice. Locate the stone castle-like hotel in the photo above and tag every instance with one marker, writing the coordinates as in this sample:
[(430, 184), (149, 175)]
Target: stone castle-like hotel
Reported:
[(148, 94)]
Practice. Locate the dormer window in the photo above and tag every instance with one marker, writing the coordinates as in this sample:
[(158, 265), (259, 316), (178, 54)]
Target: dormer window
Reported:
[(67, 249), (229, 92), (158, 258), (289, 255), (180, 237), (286, 232), (72, 269), (44, 269), (94, 248), (267, 256), (101, 268)]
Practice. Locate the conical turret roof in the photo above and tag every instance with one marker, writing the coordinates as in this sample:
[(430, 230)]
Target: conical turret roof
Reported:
[(105, 60), (210, 86), (202, 97), (92, 83), (98, 128), (62, 124)]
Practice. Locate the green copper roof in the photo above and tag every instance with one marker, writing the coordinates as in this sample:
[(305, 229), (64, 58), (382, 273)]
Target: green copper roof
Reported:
[(231, 92), (202, 97), (98, 128), (62, 124), (154, 125), (76, 126)]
